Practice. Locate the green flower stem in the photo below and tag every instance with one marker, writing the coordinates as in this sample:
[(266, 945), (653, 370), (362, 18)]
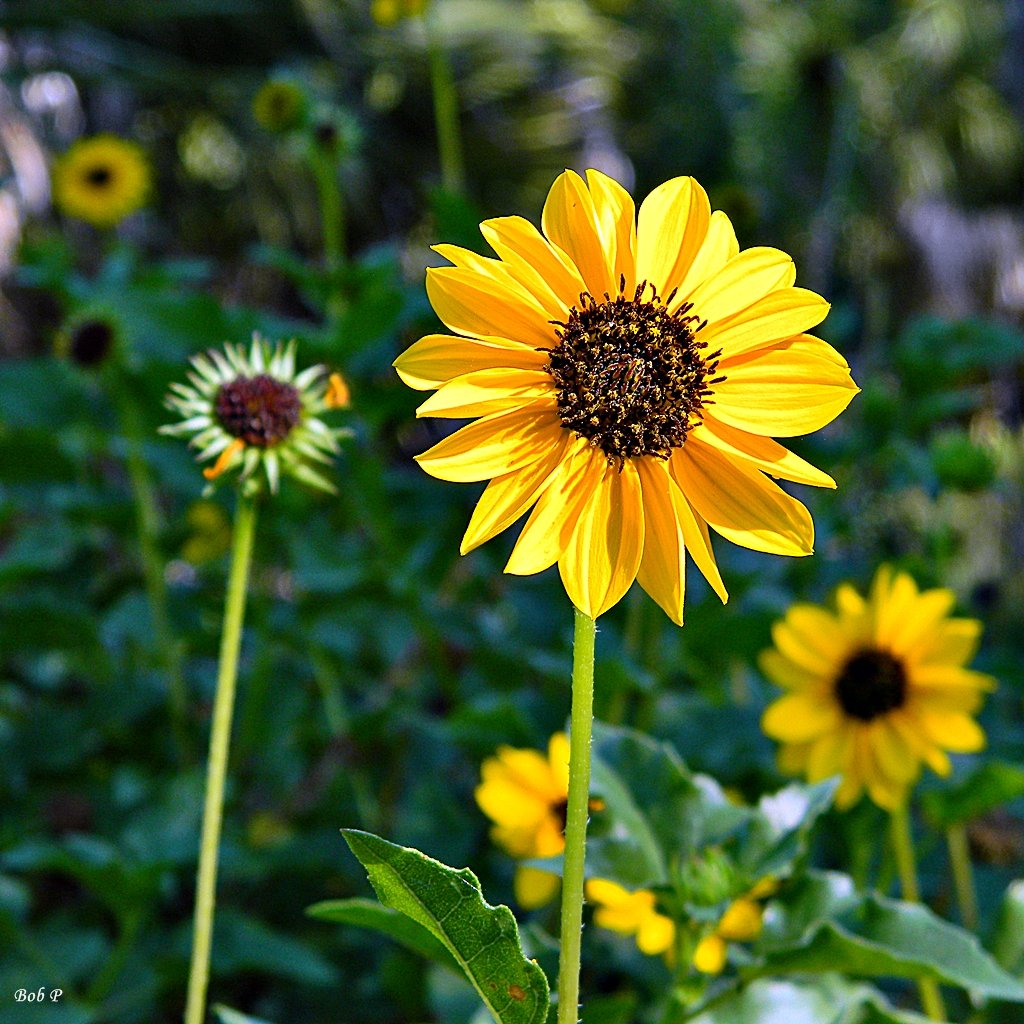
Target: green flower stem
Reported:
[(332, 215), (446, 114), (227, 673), (581, 723), (903, 850), (963, 875), (147, 514)]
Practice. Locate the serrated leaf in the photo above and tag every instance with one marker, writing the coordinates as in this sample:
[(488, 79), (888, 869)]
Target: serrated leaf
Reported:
[(404, 930), (484, 940), (990, 786)]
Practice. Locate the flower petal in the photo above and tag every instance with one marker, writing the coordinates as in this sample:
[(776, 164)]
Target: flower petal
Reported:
[(495, 445), (896, 759), (534, 888), (780, 314), (438, 358), (747, 277), (786, 673), (469, 303), (672, 225), (952, 730), (798, 718), (741, 504), (488, 391), (662, 567), (954, 642), (601, 559), (719, 246), (616, 216), (570, 220)]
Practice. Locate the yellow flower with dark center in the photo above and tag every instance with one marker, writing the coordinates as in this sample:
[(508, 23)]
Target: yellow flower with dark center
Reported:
[(628, 371), (252, 412), (524, 792), (91, 338), (875, 689), (631, 913), (102, 180)]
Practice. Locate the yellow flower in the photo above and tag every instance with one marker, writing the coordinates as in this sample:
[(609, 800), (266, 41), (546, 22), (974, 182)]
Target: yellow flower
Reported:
[(741, 922), (389, 12), (875, 689), (101, 180), (627, 372), (524, 793), (631, 913)]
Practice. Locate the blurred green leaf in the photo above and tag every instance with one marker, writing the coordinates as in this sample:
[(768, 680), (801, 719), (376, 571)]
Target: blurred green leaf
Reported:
[(242, 943), (484, 940), (229, 1016), (989, 786), (1007, 942)]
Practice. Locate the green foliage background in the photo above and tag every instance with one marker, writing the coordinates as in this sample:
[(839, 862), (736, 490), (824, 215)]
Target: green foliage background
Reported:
[(880, 143)]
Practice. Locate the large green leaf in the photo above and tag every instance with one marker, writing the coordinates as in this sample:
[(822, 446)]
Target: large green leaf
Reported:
[(828, 928), (448, 903), (404, 930)]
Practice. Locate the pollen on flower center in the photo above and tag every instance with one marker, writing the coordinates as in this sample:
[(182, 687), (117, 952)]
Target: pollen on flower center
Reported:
[(260, 410), (630, 375), (871, 683)]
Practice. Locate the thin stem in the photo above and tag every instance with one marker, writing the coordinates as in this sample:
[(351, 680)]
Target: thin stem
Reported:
[(903, 849), (581, 722), (332, 215), (963, 875), (147, 514), (108, 975), (446, 115), (227, 674)]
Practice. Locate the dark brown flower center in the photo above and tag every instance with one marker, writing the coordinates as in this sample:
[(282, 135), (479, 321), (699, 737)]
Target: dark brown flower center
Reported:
[(259, 410), (99, 176), (870, 684), (91, 342), (631, 376)]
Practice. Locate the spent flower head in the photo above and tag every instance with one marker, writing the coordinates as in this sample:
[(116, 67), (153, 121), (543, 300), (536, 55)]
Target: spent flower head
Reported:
[(280, 105), (251, 412), (93, 338), (875, 689), (629, 371), (101, 180)]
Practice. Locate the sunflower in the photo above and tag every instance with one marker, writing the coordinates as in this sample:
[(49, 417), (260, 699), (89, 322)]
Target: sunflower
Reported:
[(631, 913), (876, 689), (524, 792), (627, 372), (252, 410), (93, 338), (102, 180)]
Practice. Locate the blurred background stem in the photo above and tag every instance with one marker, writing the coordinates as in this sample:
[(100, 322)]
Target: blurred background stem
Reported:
[(446, 113), (963, 875), (903, 850), (216, 772), (324, 166)]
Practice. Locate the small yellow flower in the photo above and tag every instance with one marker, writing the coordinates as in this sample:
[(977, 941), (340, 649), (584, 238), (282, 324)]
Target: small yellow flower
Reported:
[(631, 913), (629, 370), (389, 12), (741, 922), (280, 105), (102, 180), (875, 689), (525, 793)]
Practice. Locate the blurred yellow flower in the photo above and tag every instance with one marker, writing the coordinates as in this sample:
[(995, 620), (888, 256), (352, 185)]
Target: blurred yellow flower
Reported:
[(101, 180), (628, 370), (875, 689), (741, 922), (631, 913), (389, 12), (524, 792)]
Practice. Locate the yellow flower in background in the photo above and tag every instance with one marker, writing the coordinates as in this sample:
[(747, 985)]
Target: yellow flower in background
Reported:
[(741, 922), (101, 180), (524, 792), (875, 689), (631, 913), (629, 372), (389, 12)]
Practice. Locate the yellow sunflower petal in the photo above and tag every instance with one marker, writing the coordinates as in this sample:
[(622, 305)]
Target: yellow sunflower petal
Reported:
[(558, 760), (895, 757), (655, 934), (600, 890), (438, 358), (952, 730), (601, 559), (831, 754), (487, 391), (468, 303), (662, 567), (940, 677), (786, 673), (747, 277), (741, 504), (507, 497), (551, 524), (534, 888), (906, 723), (849, 603), (495, 445), (954, 642), (570, 220), (782, 392), (616, 216), (719, 246), (760, 452), (741, 921), (798, 718), (709, 956), (779, 315), (698, 540), (916, 628), (792, 758), (534, 259), (672, 225), (817, 630), (510, 805)]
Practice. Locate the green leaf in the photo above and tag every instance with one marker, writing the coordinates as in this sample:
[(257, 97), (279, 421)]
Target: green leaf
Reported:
[(448, 903), (990, 786), (228, 1016), (404, 930), (1007, 943), (882, 937)]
